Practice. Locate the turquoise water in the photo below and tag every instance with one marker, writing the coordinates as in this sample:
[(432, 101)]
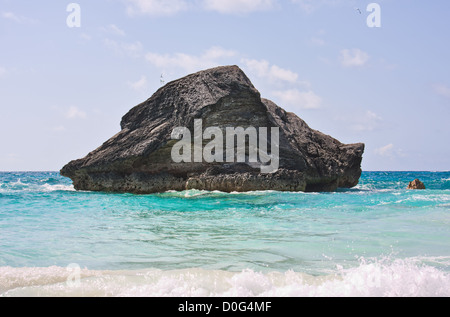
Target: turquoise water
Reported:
[(375, 239)]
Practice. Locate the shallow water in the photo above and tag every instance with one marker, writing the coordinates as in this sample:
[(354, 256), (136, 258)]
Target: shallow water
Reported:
[(377, 239)]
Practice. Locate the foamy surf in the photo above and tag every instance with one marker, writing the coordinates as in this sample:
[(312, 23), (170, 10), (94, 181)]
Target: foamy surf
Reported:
[(52, 188), (37, 188), (385, 278)]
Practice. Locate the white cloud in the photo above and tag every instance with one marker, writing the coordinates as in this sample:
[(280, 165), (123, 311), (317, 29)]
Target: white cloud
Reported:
[(129, 49), (360, 121), (10, 16), (139, 85), (16, 18), (368, 122), (290, 95), (299, 99), (317, 41), (353, 57), (310, 6), (191, 63), (238, 6), (262, 68), (75, 113), (390, 151), (386, 151), (85, 37), (59, 128), (442, 90), (306, 5), (2, 72), (291, 91), (216, 56), (156, 7), (114, 29), (171, 7)]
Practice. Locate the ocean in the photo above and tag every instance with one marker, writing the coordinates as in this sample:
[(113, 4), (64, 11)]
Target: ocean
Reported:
[(377, 239)]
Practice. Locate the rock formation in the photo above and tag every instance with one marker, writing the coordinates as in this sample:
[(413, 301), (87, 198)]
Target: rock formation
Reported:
[(416, 184), (138, 159)]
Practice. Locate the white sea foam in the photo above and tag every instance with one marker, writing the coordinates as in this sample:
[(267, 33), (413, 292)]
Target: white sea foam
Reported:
[(22, 187), (197, 193), (370, 188), (59, 187), (386, 278)]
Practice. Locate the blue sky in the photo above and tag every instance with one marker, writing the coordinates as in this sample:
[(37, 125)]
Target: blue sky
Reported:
[(64, 90)]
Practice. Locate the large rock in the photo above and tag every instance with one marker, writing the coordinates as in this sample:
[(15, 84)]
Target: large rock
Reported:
[(138, 159)]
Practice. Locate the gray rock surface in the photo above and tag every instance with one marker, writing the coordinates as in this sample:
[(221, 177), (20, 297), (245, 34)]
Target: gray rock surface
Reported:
[(138, 159)]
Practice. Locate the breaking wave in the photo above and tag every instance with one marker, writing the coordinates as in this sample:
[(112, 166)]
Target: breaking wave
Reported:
[(372, 278), (19, 186)]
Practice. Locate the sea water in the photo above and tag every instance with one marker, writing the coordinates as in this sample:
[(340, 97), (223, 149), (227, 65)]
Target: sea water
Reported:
[(377, 239)]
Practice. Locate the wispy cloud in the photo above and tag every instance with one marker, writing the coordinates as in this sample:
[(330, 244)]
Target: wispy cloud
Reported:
[(210, 58), (389, 151), (216, 56), (296, 94), (16, 18), (386, 151), (306, 5), (262, 68), (317, 41), (353, 58), (442, 90), (156, 7), (10, 16), (133, 50), (140, 85), (114, 29), (2, 72), (290, 90), (309, 6), (172, 7), (59, 128), (75, 113), (297, 99), (360, 121), (368, 122), (238, 6), (85, 37)]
